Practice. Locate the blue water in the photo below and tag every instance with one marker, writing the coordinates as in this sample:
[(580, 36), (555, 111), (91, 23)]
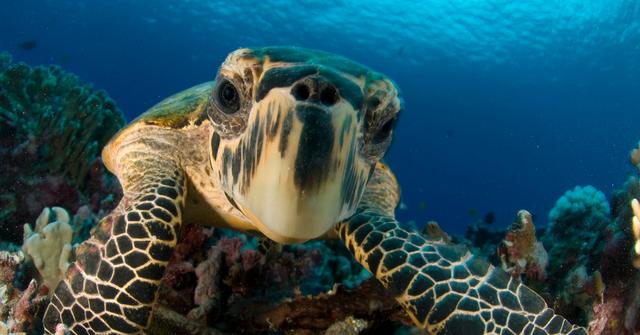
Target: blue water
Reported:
[(508, 103)]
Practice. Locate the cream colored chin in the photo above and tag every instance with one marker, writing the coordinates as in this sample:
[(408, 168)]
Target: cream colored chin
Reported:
[(282, 212)]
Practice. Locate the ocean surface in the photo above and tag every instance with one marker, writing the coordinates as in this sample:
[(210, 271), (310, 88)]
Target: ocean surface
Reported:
[(507, 103)]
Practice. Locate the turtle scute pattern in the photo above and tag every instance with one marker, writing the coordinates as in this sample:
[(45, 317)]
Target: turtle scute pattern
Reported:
[(444, 288), (113, 284)]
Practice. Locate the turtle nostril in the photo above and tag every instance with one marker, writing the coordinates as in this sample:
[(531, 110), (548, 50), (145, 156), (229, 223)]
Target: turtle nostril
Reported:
[(329, 95), (300, 91)]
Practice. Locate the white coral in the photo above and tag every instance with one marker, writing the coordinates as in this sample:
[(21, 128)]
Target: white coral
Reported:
[(49, 245)]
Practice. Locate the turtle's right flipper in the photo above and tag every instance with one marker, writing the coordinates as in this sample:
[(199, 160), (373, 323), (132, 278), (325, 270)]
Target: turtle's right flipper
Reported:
[(112, 286)]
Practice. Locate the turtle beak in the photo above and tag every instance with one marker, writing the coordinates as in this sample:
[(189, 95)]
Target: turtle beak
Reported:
[(300, 171)]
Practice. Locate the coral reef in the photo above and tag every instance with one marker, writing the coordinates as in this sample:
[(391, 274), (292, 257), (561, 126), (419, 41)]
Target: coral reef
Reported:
[(520, 252), (52, 128)]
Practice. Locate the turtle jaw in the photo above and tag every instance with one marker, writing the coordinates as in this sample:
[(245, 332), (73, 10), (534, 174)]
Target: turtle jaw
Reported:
[(297, 170)]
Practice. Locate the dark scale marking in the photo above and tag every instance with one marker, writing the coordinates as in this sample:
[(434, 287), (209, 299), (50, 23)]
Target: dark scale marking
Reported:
[(372, 241), (142, 245), (392, 244), (441, 289), (168, 205), (417, 260), (498, 278), (78, 312), (133, 217), (105, 271), (113, 307), (124, 244), (90, 287), (488, 294), (461, 324), (438, 273), (67, 317), (138, 315), (215, 145), (444, 308), (160, 252), (77, 282), (373, 260), (96, 305), (470, 305), (500, 316), (145, 206), (160, 230), (98, 326), (287, 125), (136, 259), (420, 285), (168, 182), (273, 131), (509, 300), (120, 226), (517, 322), (424, 305), (136, 230), (394, 259), (112, 248), (401, 279), (89, 260), (64, 294), (142, 291), (554, 325), (107, 292), (450, 252), (168, 192), (118, 323), (460, 287), (125, 299), (530, 299), (121, 276), (362, 232), (151, 271), (460, 272)]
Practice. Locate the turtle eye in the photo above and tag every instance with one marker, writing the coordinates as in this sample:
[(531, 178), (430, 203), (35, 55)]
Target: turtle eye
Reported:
[(227, 97), (383, 132)]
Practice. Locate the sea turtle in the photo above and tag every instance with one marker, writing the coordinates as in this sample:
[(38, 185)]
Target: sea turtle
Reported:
[(287, 142)]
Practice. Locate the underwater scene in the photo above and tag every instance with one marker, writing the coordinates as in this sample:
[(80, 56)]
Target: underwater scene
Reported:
[(320, 167)]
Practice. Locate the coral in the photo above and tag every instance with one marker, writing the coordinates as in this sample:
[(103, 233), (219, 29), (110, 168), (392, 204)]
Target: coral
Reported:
[(52, 128), (520, 252), (636, 231), (49, 245), (433, 231), (348, 326), (634, 157)]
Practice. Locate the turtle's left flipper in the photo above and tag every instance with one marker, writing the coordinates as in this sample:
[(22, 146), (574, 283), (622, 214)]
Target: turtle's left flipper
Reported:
[(443, 288)]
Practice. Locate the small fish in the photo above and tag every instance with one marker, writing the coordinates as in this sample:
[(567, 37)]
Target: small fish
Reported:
[(423, 205), (403, 206), (490, 218), (28, 45)]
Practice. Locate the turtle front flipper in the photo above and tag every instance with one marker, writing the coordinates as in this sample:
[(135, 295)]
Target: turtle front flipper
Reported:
[(113, 284), (443, 288)]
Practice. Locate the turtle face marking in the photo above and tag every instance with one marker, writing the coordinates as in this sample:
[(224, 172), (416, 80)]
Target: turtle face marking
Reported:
[(296, 137)]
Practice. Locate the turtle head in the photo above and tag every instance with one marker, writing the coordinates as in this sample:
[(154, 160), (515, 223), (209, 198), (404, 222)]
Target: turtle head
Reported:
[(297, 134)]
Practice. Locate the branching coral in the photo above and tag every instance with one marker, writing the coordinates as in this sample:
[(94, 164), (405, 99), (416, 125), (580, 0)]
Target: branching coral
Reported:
[(49, 244), (636, 231), (52, 128)]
